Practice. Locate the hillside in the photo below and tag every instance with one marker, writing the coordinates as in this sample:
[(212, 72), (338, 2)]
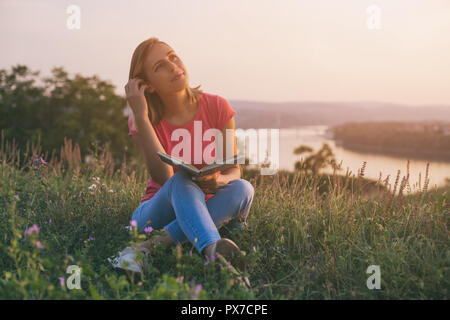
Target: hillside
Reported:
[(253, 114)]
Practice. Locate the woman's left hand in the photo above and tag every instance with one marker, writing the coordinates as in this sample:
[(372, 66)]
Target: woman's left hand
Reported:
[(212, 182)]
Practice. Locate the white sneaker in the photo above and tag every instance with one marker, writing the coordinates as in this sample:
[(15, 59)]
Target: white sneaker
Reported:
[(127, 255)]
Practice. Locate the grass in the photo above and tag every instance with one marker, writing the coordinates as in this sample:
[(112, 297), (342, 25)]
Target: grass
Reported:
[(308, 237)]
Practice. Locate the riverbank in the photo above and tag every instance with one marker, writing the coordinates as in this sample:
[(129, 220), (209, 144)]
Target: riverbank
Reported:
[(428, 140), (399, 152)]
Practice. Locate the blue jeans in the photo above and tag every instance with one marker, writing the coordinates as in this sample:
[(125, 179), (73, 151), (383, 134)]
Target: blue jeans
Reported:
[(180, 208)]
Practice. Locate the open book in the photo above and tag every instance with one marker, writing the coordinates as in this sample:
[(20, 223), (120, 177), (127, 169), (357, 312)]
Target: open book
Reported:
[(208, 169)]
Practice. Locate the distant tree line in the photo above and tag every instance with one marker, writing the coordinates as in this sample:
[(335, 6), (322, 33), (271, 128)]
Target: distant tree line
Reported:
[(84, 109), (429, 139)]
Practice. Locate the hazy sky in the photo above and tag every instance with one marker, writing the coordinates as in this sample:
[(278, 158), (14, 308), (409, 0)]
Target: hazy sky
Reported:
[(274, 51)]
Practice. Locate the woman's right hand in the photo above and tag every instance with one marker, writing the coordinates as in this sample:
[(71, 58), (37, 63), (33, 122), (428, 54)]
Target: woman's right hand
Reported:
[(134, 90)]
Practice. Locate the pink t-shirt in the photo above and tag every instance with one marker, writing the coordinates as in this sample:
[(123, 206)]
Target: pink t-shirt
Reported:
[(213, 112)]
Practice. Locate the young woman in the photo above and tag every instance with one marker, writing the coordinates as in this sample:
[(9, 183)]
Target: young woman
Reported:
[(163, 106)]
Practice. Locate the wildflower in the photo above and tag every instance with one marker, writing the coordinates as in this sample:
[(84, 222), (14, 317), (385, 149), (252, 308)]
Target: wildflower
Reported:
[(39, 244), (148, 230), (79, 195), (198, 289), (43, 161), (91, 238), (28, 203), (110, 190), (92, 187), (61, 281), (32, 229), (229, 264), (34, 167), (50, 220), (96, 179), (128, 228), (16, 196), (254, 249), (133, 223), (180, 279)]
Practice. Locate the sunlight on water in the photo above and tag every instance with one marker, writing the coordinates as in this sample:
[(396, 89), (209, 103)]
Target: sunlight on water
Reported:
[(314, 136)]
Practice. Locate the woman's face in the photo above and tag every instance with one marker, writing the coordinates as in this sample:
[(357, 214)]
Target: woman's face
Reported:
[(161, 66)]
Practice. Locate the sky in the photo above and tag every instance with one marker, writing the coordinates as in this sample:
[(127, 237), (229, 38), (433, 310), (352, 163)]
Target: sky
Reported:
[(258, 50)]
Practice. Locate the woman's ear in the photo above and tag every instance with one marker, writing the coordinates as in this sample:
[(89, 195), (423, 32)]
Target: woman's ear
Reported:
[(149, 88)]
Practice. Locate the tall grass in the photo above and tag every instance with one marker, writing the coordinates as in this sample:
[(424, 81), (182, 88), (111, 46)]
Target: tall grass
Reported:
[(308, 237)]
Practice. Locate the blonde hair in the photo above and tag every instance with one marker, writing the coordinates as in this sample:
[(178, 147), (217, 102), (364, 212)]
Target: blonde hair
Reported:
[(155, 104)]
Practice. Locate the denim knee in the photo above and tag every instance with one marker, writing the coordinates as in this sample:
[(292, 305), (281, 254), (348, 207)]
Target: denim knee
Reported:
[(246, 190), (182, 176)]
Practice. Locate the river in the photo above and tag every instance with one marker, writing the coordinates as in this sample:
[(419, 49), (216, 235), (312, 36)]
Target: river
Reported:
[(315, 136)]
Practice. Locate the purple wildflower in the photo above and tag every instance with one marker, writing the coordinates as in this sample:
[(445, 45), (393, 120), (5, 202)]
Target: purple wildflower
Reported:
[(32, 229), (254, 249), (43, 161), (34, 167), (91, 238), (133, 223), (148, 230), (39, 244), (28, 203), (198, 289), (61, 281), (50, 220), (16, 196), (229, 264), (79, 195)]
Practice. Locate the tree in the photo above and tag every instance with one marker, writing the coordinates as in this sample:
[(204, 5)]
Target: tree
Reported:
[(84, 109), (314, 162)]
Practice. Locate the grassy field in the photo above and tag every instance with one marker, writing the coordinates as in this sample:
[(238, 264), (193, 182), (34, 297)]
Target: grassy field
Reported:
[(307, 237)]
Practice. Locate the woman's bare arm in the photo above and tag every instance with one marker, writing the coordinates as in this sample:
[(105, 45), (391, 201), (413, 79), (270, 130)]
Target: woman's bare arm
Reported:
[(148, 144), (232, 172), (146, 140)]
